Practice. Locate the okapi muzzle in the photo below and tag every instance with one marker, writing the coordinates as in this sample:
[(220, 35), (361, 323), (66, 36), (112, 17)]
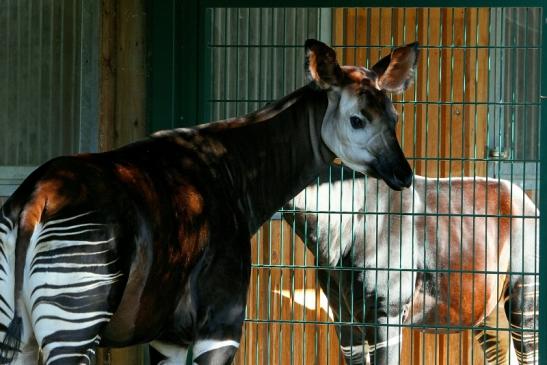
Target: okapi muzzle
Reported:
[(391, 164)]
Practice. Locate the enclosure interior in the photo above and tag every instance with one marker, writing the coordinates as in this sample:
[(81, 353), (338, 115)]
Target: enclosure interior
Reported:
[(473, 110)]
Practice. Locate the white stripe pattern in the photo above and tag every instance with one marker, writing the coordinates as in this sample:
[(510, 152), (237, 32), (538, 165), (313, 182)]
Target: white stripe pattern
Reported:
[(203, 346), (389, 342), (69, 270)]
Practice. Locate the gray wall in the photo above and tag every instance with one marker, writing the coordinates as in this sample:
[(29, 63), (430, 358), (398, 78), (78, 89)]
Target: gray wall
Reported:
[(49, 78)]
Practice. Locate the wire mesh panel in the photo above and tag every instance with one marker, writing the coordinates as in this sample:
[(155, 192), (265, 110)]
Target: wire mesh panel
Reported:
[(473, 111)]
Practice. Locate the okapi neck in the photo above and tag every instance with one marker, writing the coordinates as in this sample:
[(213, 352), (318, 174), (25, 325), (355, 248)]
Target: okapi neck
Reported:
[(274, 153)]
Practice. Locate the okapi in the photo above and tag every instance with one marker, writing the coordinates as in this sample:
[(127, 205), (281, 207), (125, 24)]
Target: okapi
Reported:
[(151, 242), (438, 256)]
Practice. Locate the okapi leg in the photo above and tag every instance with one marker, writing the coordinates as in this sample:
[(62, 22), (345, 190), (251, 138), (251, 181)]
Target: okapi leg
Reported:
[(351, 338), (219, 337), (172, 354), (72, 286), (522, 312), (495, 351), (384, 341), (352, 345), (214, 352)]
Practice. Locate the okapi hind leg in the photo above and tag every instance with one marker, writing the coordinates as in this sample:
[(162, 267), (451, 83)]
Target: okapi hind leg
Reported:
[(522, 312), (495, 351), (73, 282), (82, 353)]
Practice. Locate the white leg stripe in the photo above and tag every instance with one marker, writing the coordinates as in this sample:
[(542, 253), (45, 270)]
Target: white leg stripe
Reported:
[(389, 342), (356, 352), (204, 346), (175, 354)]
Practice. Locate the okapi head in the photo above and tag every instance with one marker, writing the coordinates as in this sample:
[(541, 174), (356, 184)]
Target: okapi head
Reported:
[(359, 125)]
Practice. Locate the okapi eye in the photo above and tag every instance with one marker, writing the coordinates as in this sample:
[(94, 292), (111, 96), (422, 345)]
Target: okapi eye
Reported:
[(356, 122)]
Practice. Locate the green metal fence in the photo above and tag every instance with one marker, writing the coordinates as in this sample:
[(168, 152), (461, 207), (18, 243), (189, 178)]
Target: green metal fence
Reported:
[(475, 110)]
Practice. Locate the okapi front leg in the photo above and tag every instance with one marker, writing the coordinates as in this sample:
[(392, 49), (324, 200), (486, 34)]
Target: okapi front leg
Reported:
[(350, 337), (214, 352), (163, 353), (383, 331), (384, 340)]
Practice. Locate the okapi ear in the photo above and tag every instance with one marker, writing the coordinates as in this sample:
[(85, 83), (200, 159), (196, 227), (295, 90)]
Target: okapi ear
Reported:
[(321, 65), (396, 70)]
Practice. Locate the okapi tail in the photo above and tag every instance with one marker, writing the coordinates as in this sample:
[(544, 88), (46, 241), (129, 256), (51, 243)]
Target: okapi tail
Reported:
[(11, 322), (12, 340)]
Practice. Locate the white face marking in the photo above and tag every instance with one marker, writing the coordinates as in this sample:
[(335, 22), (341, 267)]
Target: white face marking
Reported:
[(352, 146)]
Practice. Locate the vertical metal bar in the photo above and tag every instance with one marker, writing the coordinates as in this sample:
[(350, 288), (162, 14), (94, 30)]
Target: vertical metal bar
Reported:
[(258, 237), (316, 253), (537, 158), (61, 80), (523, 153), (28, 115), (89, 77), (438, 172), (293, 253), (71, 126), (237, 49), (305, 272), (51, 82), (474, 156), (272, 18), (4, 159), (511, 141), (226, 62), (18, 136), (248, 31), (282, 251), (39, 62), (543, 186)]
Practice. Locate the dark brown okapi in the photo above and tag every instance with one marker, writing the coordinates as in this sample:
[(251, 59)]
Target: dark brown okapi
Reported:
[(151, 242), (440, 256)]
